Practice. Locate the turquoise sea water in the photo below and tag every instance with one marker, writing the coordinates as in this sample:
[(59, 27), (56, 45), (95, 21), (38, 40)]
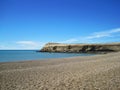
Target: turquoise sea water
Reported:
[(19, 55)]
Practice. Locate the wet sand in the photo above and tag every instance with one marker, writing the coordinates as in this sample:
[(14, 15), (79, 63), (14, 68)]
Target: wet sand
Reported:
[(100, 72)]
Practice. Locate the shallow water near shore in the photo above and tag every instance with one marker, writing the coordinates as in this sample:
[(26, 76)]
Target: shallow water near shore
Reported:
[(20, 55)]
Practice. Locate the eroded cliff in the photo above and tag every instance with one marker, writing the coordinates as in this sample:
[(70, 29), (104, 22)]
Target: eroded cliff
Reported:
[(81, 48)]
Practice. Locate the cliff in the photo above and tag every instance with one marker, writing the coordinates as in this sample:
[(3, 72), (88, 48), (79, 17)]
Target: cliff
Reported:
[(81, 48)]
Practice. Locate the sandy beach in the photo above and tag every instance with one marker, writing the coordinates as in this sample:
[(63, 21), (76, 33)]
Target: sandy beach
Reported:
[(99, 72)]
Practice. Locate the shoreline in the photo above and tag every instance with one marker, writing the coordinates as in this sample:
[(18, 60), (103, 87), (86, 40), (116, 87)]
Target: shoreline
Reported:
[(53, 55), (101, 71), (47, 59)]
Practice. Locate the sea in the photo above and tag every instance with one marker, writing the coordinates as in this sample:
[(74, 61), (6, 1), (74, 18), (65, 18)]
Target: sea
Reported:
[(24, 55)]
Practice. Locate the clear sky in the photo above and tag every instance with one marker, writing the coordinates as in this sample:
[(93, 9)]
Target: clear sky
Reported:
[(29, 24)]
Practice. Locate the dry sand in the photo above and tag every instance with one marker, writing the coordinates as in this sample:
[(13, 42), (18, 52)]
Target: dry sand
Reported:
[(100, 72)]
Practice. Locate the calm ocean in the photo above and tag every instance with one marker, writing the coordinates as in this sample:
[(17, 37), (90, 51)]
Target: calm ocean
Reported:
[(19, 55)]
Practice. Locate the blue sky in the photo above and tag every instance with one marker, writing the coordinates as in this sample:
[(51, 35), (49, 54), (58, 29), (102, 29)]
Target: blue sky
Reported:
[(29, 24)]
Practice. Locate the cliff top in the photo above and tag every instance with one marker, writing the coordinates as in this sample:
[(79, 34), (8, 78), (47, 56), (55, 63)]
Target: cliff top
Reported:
[(62, 44)]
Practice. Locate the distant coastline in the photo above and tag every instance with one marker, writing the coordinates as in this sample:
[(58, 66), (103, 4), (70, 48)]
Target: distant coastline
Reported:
[(81, 48)]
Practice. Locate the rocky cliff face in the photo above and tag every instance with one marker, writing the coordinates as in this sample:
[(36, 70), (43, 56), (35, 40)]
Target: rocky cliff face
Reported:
[(81, 48)]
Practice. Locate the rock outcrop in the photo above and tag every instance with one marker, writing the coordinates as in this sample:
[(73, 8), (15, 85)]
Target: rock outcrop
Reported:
[(81, 48)]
